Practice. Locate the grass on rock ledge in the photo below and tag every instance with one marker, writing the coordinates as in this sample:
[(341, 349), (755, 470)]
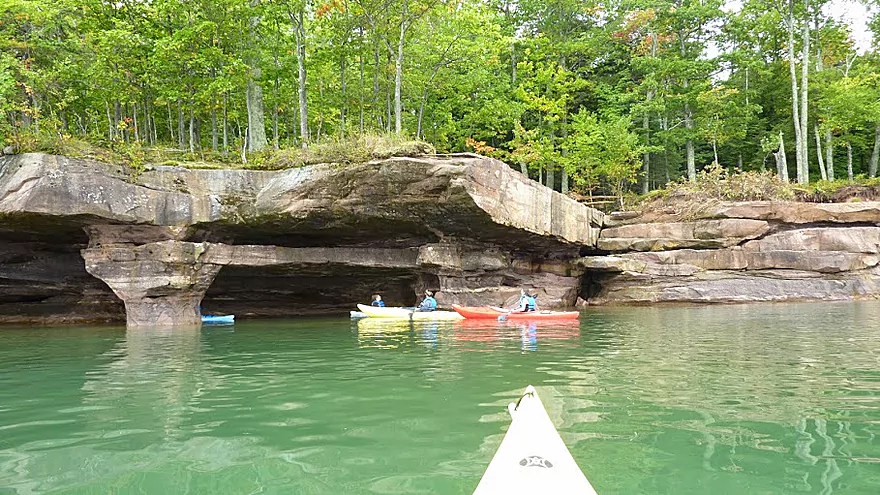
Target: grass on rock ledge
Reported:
[(715, 184), (356, 149)]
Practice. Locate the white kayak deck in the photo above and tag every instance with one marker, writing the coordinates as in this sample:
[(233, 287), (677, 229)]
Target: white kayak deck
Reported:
[(407, 313), (532, 458)]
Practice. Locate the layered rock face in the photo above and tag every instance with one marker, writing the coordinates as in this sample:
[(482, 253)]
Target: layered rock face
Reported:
[(739, 252), (84, 242), (312, 240)]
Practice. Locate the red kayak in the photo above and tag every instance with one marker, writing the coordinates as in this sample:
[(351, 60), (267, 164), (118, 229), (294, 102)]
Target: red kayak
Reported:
[(486, 313)]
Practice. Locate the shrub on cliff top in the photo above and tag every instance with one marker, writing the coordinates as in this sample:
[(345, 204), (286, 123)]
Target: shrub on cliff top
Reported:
[(717, 184), (356, 149)]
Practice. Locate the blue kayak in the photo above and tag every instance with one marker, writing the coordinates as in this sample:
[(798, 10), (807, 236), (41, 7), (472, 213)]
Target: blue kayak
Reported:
[(225, 319)]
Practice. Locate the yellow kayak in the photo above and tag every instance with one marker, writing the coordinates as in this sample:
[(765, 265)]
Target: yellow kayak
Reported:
[(532, 457), (407, 314)]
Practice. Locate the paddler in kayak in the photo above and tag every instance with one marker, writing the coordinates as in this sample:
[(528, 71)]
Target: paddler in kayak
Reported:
[(527, 302), (377, 301), (428, 303)]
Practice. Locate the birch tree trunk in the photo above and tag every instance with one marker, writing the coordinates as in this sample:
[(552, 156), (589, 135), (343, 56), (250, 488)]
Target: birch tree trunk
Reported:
[(819, 153), (829, 155), (795, 111), (398, 79), (689, 144), (137, 132), (781, 161), (804, 160)]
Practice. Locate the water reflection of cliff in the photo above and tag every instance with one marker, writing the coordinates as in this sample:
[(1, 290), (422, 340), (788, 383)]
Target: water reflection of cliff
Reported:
[(136, 425), (749, 379), (155, 379)]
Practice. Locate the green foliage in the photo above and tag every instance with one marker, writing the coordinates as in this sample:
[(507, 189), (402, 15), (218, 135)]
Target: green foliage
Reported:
[(601, 150), (357, 149), (716, 183), (593, 95)]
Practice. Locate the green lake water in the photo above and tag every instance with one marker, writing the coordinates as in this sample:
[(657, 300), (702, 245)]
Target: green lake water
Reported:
[(684, 400)]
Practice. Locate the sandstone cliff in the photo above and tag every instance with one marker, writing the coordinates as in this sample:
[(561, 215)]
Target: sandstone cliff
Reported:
[(84, 241), (739, 252), (310, 240)]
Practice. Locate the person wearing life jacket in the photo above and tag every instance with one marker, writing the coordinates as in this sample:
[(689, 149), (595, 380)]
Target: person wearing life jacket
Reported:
[(377, 301), (527, 302), (520, 302), (428, 303)]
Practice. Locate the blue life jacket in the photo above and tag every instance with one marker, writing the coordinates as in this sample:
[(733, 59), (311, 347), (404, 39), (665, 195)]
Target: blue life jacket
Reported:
[(428, 304), (531, 304), (379, 303)]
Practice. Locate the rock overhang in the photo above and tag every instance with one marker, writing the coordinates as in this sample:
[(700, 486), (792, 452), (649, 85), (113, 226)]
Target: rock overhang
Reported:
[(158, 239), (398, 201)]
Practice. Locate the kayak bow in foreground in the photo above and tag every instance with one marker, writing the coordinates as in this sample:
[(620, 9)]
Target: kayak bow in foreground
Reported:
[(532, 458)]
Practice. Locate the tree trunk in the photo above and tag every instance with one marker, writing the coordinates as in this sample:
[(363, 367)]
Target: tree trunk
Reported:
[(805, 65), (646, 158), (819, 153), (795, 112), (117, 118), (689, 150), (256, 129), (849, 169), (110, 133), (875, 155), (715, 152), (388, 103), (299, 24), (214, 137), (361, 98), (376, 62), (192, 129), (343, 106), (781, 161), (225, 128), (513, 63), (275, 124), (398, 80), (181, 125), (170, 123), (137, 133), (829, 155)]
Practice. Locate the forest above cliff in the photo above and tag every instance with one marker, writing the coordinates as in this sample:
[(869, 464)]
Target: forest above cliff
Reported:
[(602, 98)]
